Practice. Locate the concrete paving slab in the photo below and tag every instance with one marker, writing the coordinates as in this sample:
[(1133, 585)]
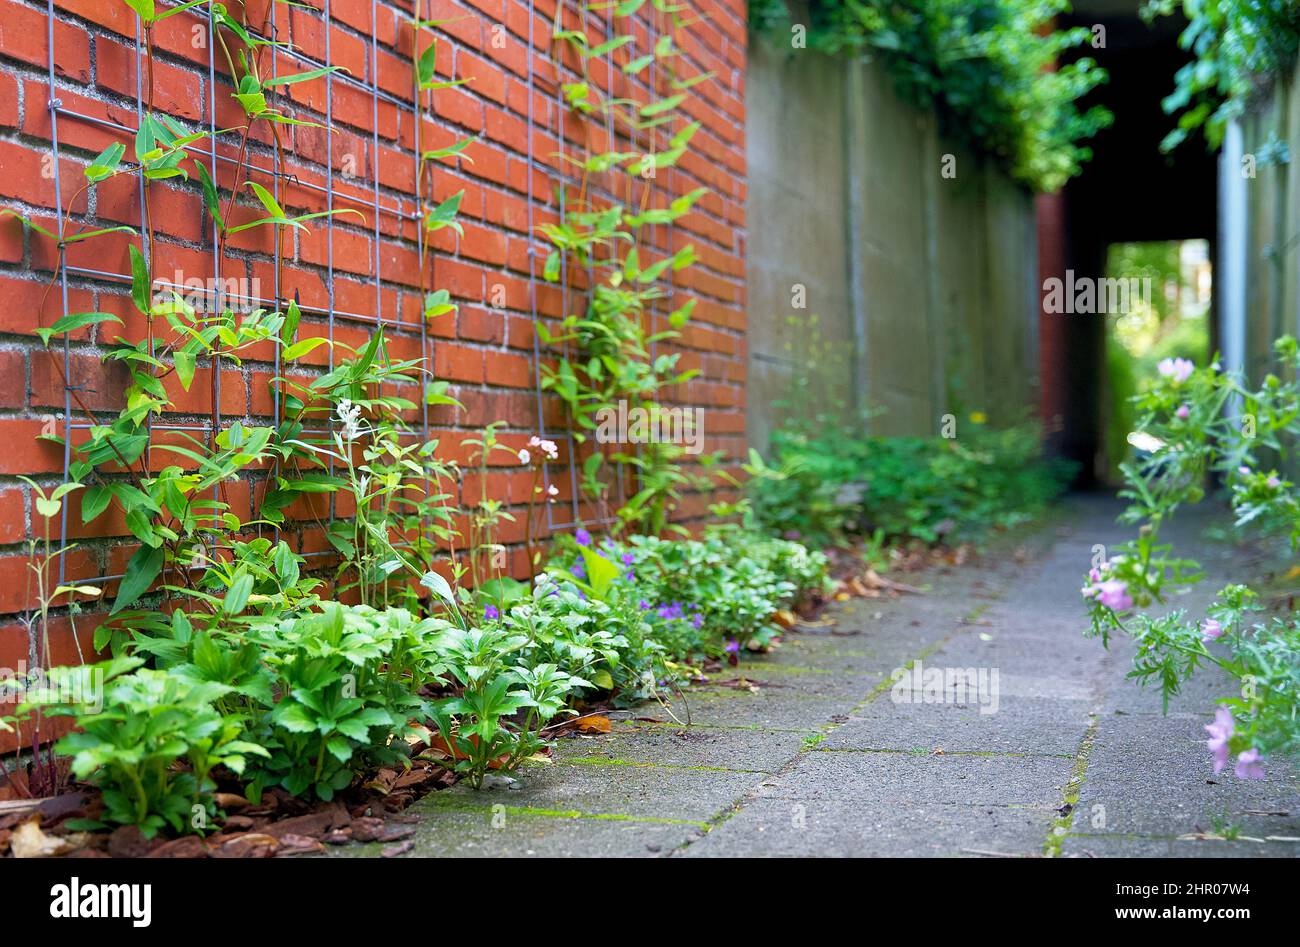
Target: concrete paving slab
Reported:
[(830, 828)]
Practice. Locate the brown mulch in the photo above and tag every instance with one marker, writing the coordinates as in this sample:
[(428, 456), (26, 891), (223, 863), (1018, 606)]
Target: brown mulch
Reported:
[(281, 826)]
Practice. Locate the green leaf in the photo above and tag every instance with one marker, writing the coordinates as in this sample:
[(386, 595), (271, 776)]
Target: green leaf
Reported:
[(75, 321), (638, 64), (268, 200), (438, 303), (444, 215), (94, 501), (302, 76), (449, 151), (237, 597), (106, 163), (551, 272), (143, 8), (211, 199), (609, 46), (425, 66), (291, 319), (601, 572), (144, 567), (184, 367), (663, 105), (140, 282), (439, 586), (299, 349)]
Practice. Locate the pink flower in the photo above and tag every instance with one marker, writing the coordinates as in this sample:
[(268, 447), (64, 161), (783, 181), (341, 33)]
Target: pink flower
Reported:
[(1179, 369), (1220, 733), (1183, 412), (1273, 482), (1248, 765), (546, 447), (1244, 470), (1211, 629), (1113, 593)]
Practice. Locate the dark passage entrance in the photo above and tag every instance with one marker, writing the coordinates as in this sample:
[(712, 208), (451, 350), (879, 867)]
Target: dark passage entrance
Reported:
[(1129, 193)]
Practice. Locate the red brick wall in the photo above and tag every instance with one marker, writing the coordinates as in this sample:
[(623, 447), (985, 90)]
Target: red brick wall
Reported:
[(485, 350)]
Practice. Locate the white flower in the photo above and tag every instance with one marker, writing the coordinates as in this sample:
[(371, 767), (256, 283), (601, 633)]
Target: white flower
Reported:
[(552, 491), (349, 415), (524, 456)]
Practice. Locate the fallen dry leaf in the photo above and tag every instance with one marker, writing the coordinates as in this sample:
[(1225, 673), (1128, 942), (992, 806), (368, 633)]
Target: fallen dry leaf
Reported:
[(28, 841), (251, 845), (298, 845), (188, 846), (597, 723), (395, 851)]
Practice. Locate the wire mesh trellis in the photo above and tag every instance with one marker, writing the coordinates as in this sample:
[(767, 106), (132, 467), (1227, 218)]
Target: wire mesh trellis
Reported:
[(215, 295), (379, 201), (660, 236)]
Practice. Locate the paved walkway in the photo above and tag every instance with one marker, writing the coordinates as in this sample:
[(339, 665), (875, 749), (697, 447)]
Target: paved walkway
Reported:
[(818, 759)]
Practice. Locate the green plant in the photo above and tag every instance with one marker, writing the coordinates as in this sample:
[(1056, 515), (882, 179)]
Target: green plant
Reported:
[(830, 482), (991, 69), (130, 740), (346, 681), (699, 595), (1235, 44), (476, 725), (1203, 421)]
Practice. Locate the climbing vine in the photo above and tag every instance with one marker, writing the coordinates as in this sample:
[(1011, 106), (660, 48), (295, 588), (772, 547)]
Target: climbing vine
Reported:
[(609, 349)]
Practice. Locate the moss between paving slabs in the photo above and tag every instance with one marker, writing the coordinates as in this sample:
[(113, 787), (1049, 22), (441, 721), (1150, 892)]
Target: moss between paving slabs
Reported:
[(1062, 823)]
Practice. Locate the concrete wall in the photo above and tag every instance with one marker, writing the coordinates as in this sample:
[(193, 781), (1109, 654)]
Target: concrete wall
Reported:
[(1270, 231), (921, 294)]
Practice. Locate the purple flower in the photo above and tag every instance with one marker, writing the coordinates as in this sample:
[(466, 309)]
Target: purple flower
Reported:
[(1183, 412), (643, 605), (732, 647), (670, 612), (1220, 733), (1248, 765), (579, 570), (630, 577), (1273, 482), (1211, 629), (697, 621), (1244, 470), (1113, 593), (582, 537), (491, 612), (1179, 369), (628, 559)]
